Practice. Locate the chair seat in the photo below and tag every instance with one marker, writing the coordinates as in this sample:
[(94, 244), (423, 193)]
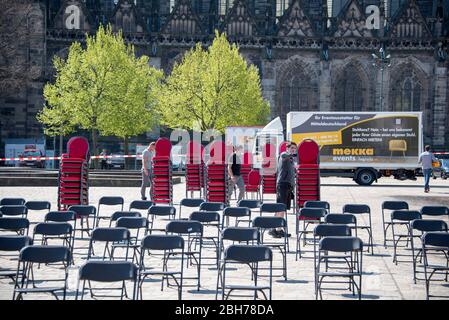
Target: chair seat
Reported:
[(246, 287), (39, 290), (337, 274)]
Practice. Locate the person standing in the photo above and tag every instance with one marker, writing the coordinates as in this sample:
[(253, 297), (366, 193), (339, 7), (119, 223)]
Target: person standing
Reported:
[(234, 166), (284, 183), (104, 161), (147, 156), (426, 159)]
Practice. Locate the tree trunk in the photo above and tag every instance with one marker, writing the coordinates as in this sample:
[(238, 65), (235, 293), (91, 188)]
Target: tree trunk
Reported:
[(125, 151), (94, 147), (61, 139)]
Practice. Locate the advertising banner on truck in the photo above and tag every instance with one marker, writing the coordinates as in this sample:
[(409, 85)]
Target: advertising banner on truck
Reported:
[(348, 139)]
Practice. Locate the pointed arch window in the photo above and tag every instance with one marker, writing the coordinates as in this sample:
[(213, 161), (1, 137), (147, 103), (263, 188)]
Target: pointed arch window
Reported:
[(408, 94), (281, 6), (224, 6), (349, 91), (297, 94)]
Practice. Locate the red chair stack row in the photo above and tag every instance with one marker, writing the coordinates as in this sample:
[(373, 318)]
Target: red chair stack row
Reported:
[(268, 169), (307, 173), (216, 174), (73, 177), (194, 168), (246, 167), (162, 188)]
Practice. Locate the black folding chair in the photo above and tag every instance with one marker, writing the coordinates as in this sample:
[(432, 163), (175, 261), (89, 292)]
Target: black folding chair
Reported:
[(308, 216), (109, 202), (250, 256), (388, 206), (123, 214), (362, 210), (318, 204), (38, 206), (331, 249), (239, 214), (14, 210), (210, 220), (432, 244), (250, 204), (435, 211), (189, 203), (64, 216), (107, 272), (109, 236), (212, 206), (421, 226), (338, 218), (85, 213), (401, 219), (276, 208), (159, 211), (54, 231), (140, 205), (19, 226), (12, 202), (193, 230), (234, 234), (170, 245), (12, 244), (41, 255), (266, 223), (138, 228)]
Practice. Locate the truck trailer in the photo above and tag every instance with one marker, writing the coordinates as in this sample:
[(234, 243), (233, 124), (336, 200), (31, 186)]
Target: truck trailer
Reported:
[(363, 146)]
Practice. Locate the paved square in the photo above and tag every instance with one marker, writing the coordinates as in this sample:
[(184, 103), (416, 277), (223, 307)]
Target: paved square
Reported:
[(382, 278)]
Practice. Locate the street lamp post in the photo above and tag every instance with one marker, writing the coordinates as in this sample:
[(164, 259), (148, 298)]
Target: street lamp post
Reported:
[(381, 61)]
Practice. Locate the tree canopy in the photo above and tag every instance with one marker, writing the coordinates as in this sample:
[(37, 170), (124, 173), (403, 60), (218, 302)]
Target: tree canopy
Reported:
[(212, 88)]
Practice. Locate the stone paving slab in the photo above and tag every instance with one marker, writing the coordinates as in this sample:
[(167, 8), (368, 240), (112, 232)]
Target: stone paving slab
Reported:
[(382, 278)]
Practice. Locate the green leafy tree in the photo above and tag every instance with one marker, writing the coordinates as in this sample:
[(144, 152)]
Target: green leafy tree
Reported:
[(212, 89), (103, 88)]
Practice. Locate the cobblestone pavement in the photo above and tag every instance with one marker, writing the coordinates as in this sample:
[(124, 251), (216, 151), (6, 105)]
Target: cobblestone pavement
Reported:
[(382, 278)]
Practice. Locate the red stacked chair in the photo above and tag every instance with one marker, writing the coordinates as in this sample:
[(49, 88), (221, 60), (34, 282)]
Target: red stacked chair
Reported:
[(73, 177), (194, 168), (246, 167), (216, 174), (162, 188), (283, 147), (253, 183), (268, 169), (307, 173)]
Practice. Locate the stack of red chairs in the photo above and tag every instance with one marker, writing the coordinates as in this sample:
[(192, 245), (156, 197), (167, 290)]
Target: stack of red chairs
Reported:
[(73, 178), (268, 169), (246, 167), (162, 188), (194, 168), (307, 173), (216, 174)]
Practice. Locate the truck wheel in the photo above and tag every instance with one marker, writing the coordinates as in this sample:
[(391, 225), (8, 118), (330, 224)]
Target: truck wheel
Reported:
[(365, 178)]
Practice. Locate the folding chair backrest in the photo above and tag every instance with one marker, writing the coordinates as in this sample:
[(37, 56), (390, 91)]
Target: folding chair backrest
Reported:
[(436, 239), (14, 223), (273, 207), (38, 205), (332, 230), (338, 218), (191, 202), (162, 242), (108, 271), (251, 204), (141, 205), (111, 201), (120, 214), (356, 208), (435, 211), (110, 234), (45, 254), (317, 204), (12, 202), (132, 222), (212, 206), (13, 210), (240, 234), (248, 254), (341, 244), (236, 212), (205, 216), (395, 205), (312, 213), (84, 210), (269, 222), (184, 227), (60, 216), (424, 225), (53, 228), (405, 215), (162, 210), (14, 243)]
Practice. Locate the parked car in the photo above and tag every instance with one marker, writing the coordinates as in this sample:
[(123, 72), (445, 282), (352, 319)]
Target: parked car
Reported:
[(443, 170), (116, 163), (32, 163)]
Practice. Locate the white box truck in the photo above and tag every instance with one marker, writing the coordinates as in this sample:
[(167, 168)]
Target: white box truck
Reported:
[(362, 145)]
